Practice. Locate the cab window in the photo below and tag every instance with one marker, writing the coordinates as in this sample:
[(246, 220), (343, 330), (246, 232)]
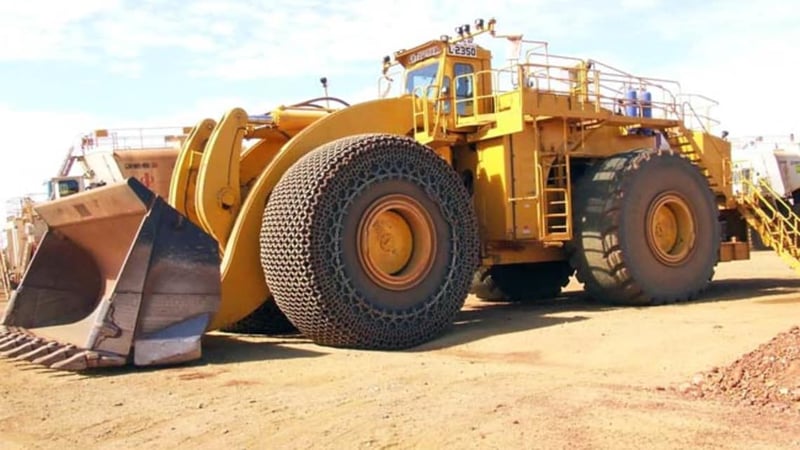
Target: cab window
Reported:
[(67, 187), (420, 80), (464, 87)]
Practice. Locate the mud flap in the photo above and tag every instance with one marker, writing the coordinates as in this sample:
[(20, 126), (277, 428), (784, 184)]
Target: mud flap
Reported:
[(119, 277)]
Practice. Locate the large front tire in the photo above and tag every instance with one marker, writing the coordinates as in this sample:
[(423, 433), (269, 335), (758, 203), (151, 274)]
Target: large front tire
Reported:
[(646, 229), (370, 242)]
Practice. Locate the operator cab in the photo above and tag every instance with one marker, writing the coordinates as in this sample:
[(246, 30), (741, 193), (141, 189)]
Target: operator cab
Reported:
[(450, 76)]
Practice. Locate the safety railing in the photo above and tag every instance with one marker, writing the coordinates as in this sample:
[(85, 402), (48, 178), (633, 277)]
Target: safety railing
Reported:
[(426, 103), (696, 111), (704, 123), (133, 139), (608, 88), (470, 107), (602, 86), (387, 85), (772, 217)]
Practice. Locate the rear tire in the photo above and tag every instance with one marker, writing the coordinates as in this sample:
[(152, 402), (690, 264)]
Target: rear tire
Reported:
[(521, 282), (370, 242), (267, 319), (646, 229)]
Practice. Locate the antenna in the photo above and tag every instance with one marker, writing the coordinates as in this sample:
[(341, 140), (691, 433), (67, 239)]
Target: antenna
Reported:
[(324, 82)]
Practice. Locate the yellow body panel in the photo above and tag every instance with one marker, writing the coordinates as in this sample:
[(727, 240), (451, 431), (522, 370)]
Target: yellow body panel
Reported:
[(258, 156), (715, 154), (243, 285), (492, 190)]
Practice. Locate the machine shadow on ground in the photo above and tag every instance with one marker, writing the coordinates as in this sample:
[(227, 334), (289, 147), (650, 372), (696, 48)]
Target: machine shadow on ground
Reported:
[(477, 320), (481, 319), (218, 349), (740, 289)]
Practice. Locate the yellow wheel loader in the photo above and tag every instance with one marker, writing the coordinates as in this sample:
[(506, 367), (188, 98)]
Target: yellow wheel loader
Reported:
[(368, 225)]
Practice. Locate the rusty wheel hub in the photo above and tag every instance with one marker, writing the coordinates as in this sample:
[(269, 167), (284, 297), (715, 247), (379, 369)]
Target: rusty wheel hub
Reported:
[(396, 242), (671, 229)]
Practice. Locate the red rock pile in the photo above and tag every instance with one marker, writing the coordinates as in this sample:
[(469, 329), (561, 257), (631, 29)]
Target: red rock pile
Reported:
[(768, 377)]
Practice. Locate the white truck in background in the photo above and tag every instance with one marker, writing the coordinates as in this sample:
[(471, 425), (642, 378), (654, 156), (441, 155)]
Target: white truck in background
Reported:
[(775, 159)]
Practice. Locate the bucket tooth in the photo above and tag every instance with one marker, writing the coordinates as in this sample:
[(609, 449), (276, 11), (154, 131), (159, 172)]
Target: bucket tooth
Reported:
[(5, 332), (25, 347), (75, 362), (39, 351), (11, 343), (88, 360), (61, 354), (10, 336)]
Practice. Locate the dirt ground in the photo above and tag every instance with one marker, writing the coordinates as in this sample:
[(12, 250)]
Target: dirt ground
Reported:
[(563, 373)]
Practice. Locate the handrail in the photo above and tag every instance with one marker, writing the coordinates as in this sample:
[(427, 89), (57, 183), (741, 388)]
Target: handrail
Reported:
[(423, 94), (705, 130), (132, 139), (606, 85), (493, 93), (785, 223), (388, 78), (605, 89)]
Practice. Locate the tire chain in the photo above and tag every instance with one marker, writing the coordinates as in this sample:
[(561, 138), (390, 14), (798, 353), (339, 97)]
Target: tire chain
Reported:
[(301, 238)]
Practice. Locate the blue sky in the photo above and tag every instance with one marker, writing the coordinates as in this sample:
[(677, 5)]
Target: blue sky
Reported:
[(70, 67)]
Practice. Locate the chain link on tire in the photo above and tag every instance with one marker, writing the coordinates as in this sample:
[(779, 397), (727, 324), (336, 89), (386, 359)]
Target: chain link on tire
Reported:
[(306, 243)]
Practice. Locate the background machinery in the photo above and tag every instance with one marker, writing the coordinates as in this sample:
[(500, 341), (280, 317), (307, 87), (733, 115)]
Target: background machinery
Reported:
[(365, 224), (773, 159), (99, 158), (769, 169)]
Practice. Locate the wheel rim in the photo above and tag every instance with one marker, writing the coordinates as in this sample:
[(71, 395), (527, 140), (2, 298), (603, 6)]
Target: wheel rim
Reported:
[(397, 242), (671, 229)]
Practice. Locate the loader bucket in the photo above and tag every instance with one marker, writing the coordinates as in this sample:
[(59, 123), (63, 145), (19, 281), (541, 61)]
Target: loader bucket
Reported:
[(119, 277)]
